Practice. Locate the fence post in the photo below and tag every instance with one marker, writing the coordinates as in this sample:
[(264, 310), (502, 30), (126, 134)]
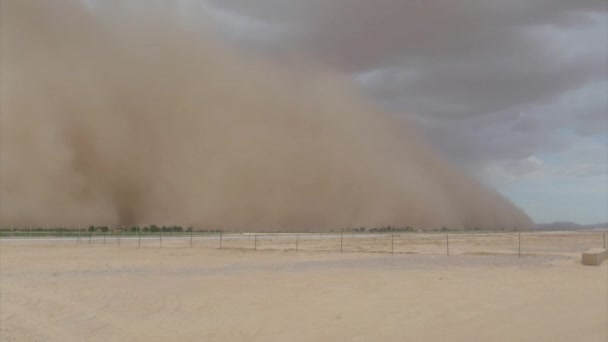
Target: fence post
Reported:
[(392, 244), (519, 245), (297, 239), (90, 237), (138, 237), (104, 237), (447, 244), (221, 237), (48, 230), (78, 237), (191, 229), (160, 237), (62, 229), (12, 231), (119, 236), (30, 230), (341, 242), (255, 242)]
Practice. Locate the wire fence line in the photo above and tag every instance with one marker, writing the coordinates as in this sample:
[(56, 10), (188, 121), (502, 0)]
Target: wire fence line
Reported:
[(437, 243)]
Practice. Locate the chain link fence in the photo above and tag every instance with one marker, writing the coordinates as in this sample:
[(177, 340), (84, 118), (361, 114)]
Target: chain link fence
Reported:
[(433, 243)]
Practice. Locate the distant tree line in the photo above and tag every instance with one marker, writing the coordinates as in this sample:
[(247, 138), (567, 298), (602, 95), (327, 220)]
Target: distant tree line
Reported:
[(380, 229), (151, 229), (179, 229)]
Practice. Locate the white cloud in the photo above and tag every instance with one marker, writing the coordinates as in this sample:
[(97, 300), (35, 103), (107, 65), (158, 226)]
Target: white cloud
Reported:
[(506, 171)]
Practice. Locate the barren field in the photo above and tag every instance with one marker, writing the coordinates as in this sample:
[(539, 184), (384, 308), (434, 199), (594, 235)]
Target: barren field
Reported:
[(67, 290)]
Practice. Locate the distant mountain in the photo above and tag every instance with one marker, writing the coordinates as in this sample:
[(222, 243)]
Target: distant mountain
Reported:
[(569, 226)]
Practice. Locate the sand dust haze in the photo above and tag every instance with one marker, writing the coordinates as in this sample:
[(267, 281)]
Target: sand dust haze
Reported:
[(130, 117)]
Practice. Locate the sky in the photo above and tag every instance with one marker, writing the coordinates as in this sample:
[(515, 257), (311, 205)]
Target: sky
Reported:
[(515, 92)]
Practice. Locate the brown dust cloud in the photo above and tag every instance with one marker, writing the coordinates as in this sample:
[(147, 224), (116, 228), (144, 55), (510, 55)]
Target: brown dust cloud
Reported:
[(130, 117)]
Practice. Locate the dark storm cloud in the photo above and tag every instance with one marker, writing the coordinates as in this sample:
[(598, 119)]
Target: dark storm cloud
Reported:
[(466, 68), (362, 34)]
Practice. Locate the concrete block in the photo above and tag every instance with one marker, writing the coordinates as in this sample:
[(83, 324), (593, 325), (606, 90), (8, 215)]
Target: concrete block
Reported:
[(594, 256)]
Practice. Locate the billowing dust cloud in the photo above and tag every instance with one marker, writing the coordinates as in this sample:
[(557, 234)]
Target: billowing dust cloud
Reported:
[(127, 117)]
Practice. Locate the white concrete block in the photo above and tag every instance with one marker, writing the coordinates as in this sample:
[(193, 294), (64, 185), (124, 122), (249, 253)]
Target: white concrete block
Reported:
[(594, 256)]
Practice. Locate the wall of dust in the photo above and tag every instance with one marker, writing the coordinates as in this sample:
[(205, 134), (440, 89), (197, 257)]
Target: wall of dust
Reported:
[(122, 119)]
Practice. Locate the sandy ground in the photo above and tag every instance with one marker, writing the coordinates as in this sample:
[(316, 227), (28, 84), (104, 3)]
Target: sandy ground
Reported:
[(67, 292)]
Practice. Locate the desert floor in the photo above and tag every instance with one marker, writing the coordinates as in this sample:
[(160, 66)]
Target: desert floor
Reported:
[(76, 292)]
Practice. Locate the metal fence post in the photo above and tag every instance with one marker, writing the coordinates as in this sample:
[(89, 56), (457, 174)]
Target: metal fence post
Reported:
[(392, 244), (90, 233), (30, 230), (12, 231), (160, 237), (221, 237), (138, 238), (447, 244), (340, 242), (191, 237), (78, 237), (104, 237), (519, 245), (255, 242), (297, 239)]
